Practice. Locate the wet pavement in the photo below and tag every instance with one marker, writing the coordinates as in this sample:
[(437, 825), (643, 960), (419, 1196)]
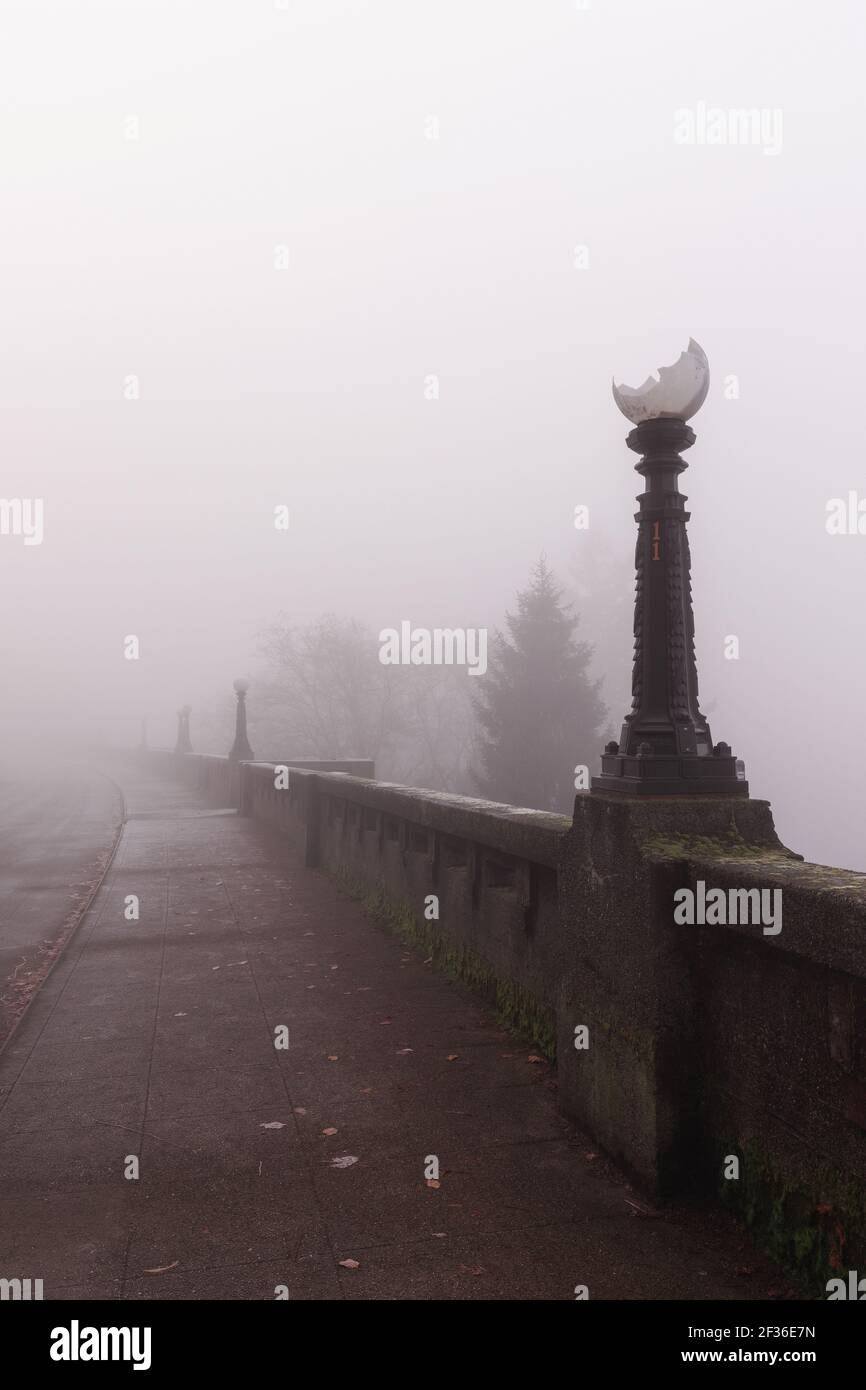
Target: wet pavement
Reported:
[(156, 1143)]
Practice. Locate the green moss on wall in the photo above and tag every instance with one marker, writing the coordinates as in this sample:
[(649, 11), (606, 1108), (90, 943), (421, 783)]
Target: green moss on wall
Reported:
[(514, 1006), (812, 1224), (731, 846)]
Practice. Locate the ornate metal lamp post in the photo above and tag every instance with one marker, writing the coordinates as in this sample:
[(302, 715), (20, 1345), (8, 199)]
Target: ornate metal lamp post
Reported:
[(183, 744), (665, 748), (240, 750)]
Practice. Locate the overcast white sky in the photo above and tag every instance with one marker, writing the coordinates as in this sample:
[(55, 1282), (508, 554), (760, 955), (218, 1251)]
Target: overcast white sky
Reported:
[(306, 126)]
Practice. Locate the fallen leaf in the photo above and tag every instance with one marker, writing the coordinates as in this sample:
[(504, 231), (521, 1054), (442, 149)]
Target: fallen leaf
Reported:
[(534, 1057), (345, 1161), (330, 1130), (590, 1157), (162, 1269), (332, 1058), (350, 1264), (745, 1271), (471, 1269), (453, 1056), (401, 1051), (273, 1124), (823, 1208), (428, 961), (180, 1015), (433, 1182), (440, 1235), (299, 1110)]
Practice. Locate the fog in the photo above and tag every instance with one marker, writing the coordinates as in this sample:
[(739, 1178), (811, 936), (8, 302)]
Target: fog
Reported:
[(240, 239)]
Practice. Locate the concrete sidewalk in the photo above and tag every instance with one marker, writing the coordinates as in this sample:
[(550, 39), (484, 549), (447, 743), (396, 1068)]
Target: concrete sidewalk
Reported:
[(154, 1039)]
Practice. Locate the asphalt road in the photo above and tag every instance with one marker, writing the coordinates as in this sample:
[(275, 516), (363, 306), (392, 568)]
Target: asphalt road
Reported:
[(58, 825)]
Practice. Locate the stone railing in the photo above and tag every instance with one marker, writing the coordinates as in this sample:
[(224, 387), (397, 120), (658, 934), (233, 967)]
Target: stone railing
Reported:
[(218, 777)]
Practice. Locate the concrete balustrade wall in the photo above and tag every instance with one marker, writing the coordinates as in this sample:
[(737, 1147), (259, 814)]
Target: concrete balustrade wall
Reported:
[(780, 1054), (474, 882), (716, 1043), (706, 1043), (215, 777), (218, 777)]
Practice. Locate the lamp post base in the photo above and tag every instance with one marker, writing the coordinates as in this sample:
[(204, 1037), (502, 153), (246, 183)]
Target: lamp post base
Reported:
[(670, 774)]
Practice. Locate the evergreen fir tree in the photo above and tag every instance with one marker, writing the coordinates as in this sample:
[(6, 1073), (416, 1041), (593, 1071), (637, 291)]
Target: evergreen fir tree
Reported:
[(539, 712)]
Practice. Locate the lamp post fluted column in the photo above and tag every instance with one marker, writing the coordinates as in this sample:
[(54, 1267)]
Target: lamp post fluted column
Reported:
[(665, 748), (240, 749)]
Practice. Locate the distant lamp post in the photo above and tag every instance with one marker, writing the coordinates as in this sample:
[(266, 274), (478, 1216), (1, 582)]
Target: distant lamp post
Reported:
[(666, 748), (241, 750), (183, 744)]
